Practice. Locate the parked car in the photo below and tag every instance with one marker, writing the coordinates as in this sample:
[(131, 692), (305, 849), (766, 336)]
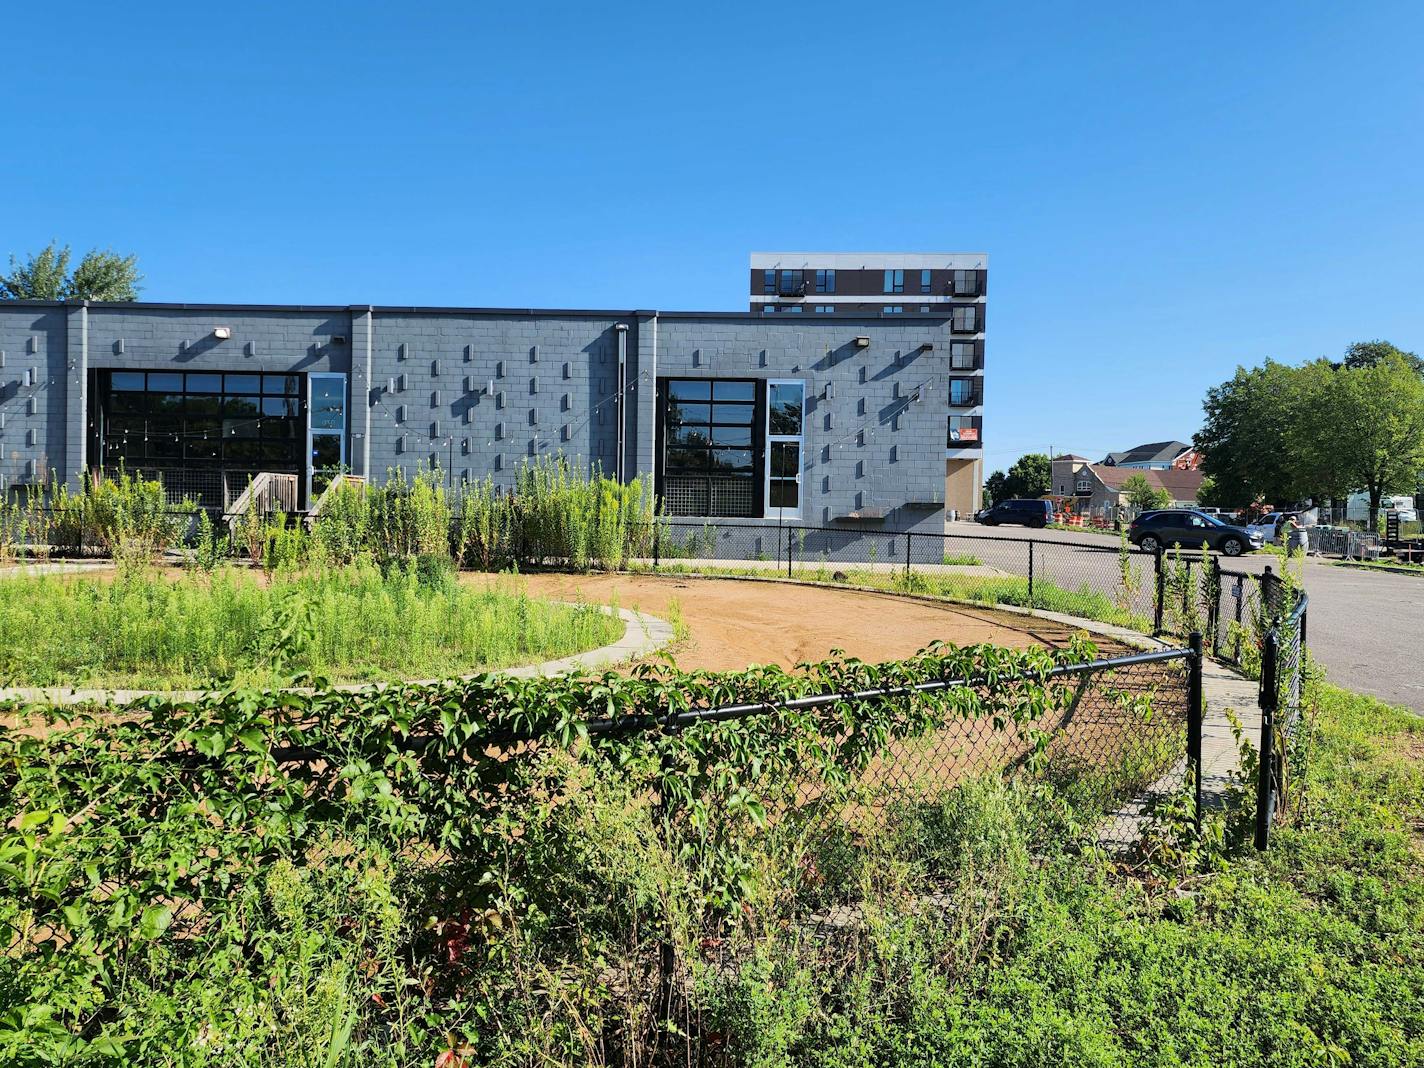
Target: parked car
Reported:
[(1158, 530), (1269, 525), (1028, 513)]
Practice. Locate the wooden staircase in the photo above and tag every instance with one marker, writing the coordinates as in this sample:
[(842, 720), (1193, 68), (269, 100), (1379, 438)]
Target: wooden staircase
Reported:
[(314, 512), (267, 493)]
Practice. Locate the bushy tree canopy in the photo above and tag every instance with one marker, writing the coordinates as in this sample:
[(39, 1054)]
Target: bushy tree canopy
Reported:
[(102, 274), (1031, 476), (1283, 433), (1143, 496)]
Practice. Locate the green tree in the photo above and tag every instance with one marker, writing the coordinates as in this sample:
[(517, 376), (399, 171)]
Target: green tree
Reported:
[(44, 276), (102, 274), (994, 491), (1248, 441), (1144, 496), (1363, 427), (1370, 353), (1031, 476)]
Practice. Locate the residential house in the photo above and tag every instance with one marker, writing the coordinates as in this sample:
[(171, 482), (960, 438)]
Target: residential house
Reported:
[(1156, 456), (1099, 488)]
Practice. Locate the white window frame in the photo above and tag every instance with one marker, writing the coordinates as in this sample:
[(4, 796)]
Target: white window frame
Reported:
[(798, 439), (313, 432)]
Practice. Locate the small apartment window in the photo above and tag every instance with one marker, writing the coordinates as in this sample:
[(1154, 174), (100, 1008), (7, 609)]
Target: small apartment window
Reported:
[(963, 392), (966, 283), (893, 309), (792, 308), (924, 281), (894, 281), (964, 430), (965, 319), (768, 309), (924, 308), (825, 309), (785, 405), (768, 282), (962, 356), (825, 281)]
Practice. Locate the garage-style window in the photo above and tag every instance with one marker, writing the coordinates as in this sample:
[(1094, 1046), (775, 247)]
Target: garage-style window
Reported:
[(709, 447), (171, 419), (785, 418)]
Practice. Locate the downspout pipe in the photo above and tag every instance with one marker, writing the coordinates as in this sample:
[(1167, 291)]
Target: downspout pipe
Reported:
[(622, 331)]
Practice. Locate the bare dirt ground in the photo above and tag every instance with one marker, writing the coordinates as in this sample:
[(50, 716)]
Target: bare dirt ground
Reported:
[(733, 623)]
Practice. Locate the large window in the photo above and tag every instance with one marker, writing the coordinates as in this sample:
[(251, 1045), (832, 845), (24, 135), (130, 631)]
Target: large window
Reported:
[(790, 284), (966, 283), (925, 281), (965, 319), (709, 447), (825, 281), (894, 281), (785, 417), (768, 282), (964, 392), (962, 356), (167, 419)]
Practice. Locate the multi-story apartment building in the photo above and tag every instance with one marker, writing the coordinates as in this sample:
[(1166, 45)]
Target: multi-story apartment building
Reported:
[(950, 286)]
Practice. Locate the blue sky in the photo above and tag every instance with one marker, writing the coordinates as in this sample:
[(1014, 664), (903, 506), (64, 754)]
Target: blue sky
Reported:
[(1164, 191)]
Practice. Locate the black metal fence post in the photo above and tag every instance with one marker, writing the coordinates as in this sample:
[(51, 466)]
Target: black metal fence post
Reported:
[(1195, 713), (1030, 573), (1213, 610), (657, 543), (1161, 581), (1265, 766), (908, 536)]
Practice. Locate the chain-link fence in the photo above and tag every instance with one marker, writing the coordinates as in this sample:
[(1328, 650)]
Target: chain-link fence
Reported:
[(1112, 730)]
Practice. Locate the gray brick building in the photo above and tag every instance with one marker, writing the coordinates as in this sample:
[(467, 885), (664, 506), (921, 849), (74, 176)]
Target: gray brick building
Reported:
[(839, 422), (899, 285)]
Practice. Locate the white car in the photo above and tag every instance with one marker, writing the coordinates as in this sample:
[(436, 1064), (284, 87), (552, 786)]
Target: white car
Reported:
[(1268, 525)]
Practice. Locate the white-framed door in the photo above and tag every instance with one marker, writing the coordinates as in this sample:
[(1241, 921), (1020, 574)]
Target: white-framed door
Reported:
[(327, 406)]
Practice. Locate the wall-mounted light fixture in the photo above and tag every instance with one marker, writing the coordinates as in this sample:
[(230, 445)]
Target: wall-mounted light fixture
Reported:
[(222, 333), (862, 342)]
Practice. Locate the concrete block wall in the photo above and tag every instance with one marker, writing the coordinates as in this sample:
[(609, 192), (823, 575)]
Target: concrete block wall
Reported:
[(479, 391), (554, 391), (875, 440), (34, 393)]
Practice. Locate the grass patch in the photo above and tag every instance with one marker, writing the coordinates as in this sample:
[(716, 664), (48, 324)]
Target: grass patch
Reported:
[(961, 560), (156, 630)]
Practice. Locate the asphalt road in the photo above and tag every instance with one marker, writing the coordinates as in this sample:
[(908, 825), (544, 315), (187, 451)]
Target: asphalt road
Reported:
[(1366, 627)]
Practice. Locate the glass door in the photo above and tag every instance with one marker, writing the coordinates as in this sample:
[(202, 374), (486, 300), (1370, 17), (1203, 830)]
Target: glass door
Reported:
[(326, 430)]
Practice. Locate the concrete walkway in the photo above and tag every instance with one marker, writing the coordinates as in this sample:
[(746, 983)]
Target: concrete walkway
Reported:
[(642, 634), (58, 567)]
